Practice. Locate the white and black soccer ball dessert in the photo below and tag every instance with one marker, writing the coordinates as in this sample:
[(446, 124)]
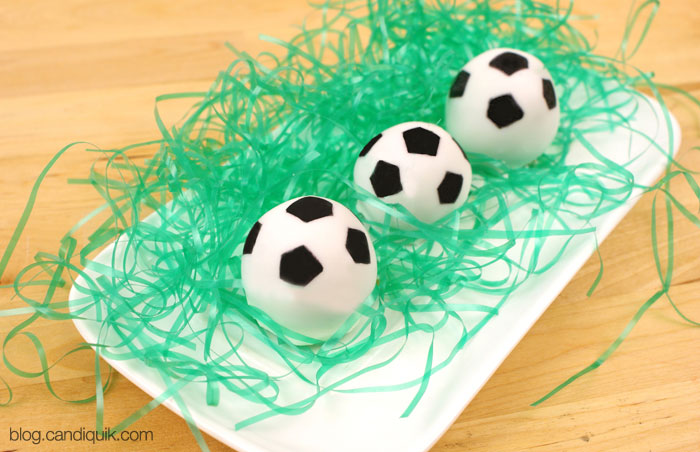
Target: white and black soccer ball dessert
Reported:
[(417, 165), (502, 104), (308, 263)]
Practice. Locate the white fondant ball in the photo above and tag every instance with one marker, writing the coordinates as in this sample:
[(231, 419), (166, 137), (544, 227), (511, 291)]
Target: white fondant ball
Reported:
[(502, 104), (417, 165), (308, 263)]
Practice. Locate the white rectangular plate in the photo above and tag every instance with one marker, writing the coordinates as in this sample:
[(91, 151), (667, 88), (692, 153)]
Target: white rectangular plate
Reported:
[(371, 421)]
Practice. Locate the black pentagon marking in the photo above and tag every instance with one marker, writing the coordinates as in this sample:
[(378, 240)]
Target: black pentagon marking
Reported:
[(252, 237), (460, 84), (450, 187), (504, 111), (369, 145), (299, 266), (421, 141), (509, 63), (310, 208), (386, 179), (357, 246), (548, 92)]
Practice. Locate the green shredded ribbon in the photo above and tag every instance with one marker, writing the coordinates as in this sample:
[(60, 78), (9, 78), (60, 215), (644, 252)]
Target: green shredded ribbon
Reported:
[(291, 123)]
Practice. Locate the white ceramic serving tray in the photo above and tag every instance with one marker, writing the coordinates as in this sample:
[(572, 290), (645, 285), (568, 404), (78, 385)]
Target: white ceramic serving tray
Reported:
[(371, 421)]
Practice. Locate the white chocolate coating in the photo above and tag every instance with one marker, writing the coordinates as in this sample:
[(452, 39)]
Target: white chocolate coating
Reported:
[(417, 165), (312, 290), (520, 128)]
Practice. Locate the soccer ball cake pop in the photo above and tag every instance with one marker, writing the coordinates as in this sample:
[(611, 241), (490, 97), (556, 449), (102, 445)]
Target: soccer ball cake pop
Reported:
[(415, 164), (308, 263), (502, 104)]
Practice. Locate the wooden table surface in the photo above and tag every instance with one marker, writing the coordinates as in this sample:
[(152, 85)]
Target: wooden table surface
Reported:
[(89, 70)]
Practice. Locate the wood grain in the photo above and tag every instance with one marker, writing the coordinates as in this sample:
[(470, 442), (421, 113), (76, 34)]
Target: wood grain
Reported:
[(89, 70)]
